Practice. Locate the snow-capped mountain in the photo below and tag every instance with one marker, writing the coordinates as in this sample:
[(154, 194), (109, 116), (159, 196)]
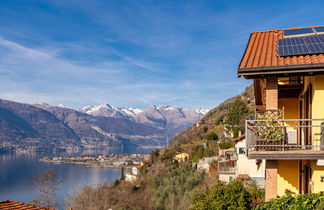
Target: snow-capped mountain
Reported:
[(111, 111), (202, 111), (173, 119), (120, 130)]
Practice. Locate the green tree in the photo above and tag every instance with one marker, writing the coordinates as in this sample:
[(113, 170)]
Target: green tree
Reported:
[(222, 196), (212, 136), (122, 173), (219, 120), (236, 115)]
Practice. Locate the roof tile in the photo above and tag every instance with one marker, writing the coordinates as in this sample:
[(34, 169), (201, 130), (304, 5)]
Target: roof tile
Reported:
[(261, 51), (14, 205)]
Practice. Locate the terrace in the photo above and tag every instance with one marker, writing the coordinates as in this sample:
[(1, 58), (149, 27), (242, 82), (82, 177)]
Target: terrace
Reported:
[(227, 167), (275, 139)]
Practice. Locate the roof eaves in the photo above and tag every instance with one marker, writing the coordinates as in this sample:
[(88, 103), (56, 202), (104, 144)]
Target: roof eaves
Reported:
[(291, 68)]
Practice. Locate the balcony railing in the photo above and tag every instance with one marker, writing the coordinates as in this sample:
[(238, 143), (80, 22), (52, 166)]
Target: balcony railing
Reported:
[(285, 134), (227, 167)]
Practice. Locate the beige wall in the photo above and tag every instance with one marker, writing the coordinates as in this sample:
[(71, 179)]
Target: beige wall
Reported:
[(247, 166), (226, 177)]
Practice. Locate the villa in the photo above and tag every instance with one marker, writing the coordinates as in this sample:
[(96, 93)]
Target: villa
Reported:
[(287, 69)]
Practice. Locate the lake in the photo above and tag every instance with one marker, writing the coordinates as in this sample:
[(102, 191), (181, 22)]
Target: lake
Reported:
[(18, 169)]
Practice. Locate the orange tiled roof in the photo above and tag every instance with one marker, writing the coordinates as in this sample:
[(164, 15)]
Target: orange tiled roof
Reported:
[(261, 52), (14, 205)]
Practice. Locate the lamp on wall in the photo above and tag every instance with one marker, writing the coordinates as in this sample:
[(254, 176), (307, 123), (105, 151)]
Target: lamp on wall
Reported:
[(322, 178)]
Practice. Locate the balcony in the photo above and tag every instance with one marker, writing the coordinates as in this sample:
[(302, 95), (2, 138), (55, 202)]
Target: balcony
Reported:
[(285, 139), (227, 167)]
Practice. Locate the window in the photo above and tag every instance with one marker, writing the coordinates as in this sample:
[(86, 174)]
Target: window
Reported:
[(241, 150)]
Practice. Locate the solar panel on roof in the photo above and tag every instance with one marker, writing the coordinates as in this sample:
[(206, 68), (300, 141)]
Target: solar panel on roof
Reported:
[(301, 45), (319, 29), (300, 31)]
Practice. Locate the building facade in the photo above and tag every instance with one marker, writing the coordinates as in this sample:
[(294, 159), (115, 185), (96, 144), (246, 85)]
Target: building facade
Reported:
[(287, 69)]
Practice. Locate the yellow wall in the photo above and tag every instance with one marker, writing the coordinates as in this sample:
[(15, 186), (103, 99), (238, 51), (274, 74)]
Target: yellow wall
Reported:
[(291, 109), (317, 106), (317, 172), (287, 176)]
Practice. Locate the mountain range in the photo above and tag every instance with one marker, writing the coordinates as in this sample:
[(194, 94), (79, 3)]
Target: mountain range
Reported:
[(41, 126)]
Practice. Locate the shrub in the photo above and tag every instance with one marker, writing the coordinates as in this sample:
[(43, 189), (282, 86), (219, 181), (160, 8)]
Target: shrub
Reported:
[(219, 120), (198, 153), (222, 196), (305, 202), (212, 136), (225, 144), (257, 194)]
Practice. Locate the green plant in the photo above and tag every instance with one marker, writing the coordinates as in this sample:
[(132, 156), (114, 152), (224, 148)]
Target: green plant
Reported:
[(212, 136), (236, 115), (154, 155), (236, 132), (222, 196), (257, 194), (225, 144), (270, 129), (304, 202), (219, 120), (198, 153)]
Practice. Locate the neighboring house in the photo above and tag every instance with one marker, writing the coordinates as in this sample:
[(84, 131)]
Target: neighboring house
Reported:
[(130, 177), (181, 157), (14, 205), (224, 152), (287, 69), (236, 165), (248, 168), (136, 169)]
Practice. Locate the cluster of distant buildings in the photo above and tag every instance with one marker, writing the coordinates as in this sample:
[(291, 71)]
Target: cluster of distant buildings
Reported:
[(116, 160)]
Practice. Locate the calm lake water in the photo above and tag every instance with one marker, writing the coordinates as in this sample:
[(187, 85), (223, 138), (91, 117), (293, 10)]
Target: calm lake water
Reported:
[(18, 169)]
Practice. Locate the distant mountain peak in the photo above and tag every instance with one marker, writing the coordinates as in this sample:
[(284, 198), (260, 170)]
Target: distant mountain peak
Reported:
[(202, 111)]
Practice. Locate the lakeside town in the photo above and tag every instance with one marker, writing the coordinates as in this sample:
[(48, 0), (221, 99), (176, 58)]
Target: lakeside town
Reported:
[(101, 161)]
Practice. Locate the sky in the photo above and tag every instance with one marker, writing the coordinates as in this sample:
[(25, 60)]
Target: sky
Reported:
[(134, 53)]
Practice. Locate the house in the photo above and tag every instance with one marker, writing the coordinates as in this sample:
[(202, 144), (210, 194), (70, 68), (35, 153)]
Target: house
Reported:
[(236, 165), (287, 70), (130, 177), (181, 157), (253, 169), (136, 169), (14, 205)]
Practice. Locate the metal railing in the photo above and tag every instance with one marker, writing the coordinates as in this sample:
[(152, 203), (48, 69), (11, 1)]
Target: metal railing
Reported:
[(285, 134), (227, 167)]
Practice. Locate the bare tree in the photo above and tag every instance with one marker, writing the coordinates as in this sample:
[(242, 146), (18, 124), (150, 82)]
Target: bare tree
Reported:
[(47, 185)]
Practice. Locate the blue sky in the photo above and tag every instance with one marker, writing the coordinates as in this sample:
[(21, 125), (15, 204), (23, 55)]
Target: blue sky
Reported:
[(134, 53)]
